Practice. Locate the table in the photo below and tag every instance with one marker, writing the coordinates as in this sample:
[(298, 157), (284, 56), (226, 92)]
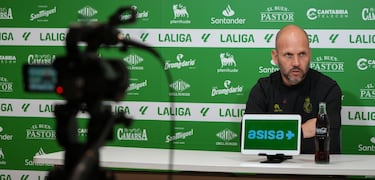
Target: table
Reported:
[(223, 162)]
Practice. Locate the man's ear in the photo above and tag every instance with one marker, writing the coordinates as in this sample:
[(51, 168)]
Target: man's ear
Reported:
[(274, 55)]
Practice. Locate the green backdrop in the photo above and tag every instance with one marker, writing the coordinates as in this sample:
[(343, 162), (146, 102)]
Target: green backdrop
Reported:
[(215, 51)]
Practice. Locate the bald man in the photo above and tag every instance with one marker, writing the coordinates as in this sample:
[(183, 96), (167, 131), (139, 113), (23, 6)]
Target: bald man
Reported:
[(297, 89)]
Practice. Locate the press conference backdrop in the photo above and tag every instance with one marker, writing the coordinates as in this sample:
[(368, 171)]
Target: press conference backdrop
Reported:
[(215, 50)]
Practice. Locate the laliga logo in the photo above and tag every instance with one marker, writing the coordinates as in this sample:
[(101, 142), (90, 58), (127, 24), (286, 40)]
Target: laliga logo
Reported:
[(270, 134)]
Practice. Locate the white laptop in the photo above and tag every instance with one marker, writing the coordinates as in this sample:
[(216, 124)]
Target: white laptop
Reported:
[(271, 134)]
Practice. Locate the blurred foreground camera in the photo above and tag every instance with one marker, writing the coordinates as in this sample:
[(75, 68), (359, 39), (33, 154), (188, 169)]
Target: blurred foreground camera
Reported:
[(85, 80)]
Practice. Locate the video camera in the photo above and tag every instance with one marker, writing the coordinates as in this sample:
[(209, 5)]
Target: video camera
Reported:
[(85, 80)]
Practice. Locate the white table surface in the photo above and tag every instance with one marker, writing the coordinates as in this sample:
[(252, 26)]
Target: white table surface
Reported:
[(216, 161)]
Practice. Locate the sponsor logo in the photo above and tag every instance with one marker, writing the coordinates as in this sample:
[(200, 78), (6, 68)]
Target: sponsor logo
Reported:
[(277, 14), (6, 13), (4, 136), (174, 111), (180, 63), (365, 64), (368, 14), (228, 63), (87, 14), (174, 38), (314, 13), (2, 157), (43, 14), (362, 39), (226, 136), (122, 109), (179, 86), (7, 59), (45, 59), (369, 147), (268, 70), (133, 134), (231, 112), (6, 107), (30, 162), (46, 108), (361, 116), (368, 92), (41, 132), (228, 89), (270, 134), (237, 38), (179, 137), (141, 15), (26, 35), (327, 64), (52, 37), (136, 86), (133, 60), (82, 132), (228, 18), (5, 85), (6, 36), (180, 14)]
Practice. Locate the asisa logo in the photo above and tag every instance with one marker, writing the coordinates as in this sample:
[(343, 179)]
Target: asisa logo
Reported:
[(180, 14), (228, 89), (228, 63)]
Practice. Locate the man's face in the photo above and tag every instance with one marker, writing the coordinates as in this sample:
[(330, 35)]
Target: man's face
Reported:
[(292, 55)]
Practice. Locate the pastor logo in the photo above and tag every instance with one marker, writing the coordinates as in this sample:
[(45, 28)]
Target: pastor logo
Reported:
[(43, 14), (368, 14), (365, 64), (368, 92), (314, 14), (277, 14), (5, 85), (180, 14), (41, 131), (6, 13), (327, 64)]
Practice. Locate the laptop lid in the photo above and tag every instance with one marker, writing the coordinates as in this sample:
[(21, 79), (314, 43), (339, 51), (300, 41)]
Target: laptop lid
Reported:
[(271, 134)]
